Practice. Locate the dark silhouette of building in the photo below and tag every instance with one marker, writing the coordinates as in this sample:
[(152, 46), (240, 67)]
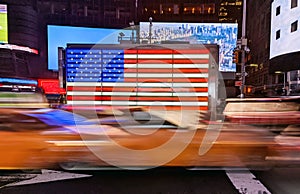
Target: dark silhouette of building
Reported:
[(280, 72), (28, 20)]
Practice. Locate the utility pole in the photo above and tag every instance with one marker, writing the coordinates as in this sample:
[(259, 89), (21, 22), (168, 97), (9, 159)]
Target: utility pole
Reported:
[(150, 30), (244, 48)]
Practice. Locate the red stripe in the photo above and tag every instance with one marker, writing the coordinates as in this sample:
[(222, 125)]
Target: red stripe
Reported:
[(130, 51), (166, 51), (155, 61), (149, 80), (199, 89), (190, 51), (117, 89), (173, 61), (84, 88), (119, 98), (168, 70), (154, 70), (155, 51), (167, 80), (179, 107), (190, 70), (84, 98), (173, 99), (137, 98), (132, 89), (130, 61), (190, 61)]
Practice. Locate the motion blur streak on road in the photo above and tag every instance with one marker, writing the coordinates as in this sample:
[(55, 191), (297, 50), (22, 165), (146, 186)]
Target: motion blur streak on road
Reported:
[(45, 138)]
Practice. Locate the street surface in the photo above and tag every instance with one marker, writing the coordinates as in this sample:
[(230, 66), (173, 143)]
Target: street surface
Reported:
[(154, 181), (151, 156)]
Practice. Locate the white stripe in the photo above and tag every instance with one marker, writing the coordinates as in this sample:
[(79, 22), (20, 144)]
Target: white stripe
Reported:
[(84, 102), (154, 85), (197, 75), (176, 56), (83, 84), (147, 75), (190, 85), (190, 56), (139, 103), (143, 86), (165, 75), (119, 93), (185, 94), (246, 182), (160, 66), (166, 56), (134, 66), (191, 94), (166, 66), (130, 56), (137, 94), (101, 93), (163, 103), (122, 103), (119, 84), (77, 93), (195, 65), (155, 56), (171, 85)]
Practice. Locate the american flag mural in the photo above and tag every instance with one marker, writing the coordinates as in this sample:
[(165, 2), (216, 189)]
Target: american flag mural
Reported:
[(156, 76)]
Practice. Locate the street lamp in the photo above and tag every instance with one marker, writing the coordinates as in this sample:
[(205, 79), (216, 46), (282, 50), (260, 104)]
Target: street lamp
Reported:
[(244, 49), (280, 72), (132, 26), (150, 29)]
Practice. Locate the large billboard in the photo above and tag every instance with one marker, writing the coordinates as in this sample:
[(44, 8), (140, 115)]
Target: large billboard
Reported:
[(285, 33), (284, 36), (60, 36), (222, 34), (172, 76), (3, 24)]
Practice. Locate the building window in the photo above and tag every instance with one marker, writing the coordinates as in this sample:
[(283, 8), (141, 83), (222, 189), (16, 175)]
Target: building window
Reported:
[(278, 10), (199, 9), (277, 34), (294, 3), (294, 26)]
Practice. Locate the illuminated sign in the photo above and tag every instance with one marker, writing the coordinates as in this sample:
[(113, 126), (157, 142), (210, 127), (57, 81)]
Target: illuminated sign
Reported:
[(19, 48), (285, 31), (50, 86), (175, 76), (18, 81), (3, 24), (60, 36), (222, 34)]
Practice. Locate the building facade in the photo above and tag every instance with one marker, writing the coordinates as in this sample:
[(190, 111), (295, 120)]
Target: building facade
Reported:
[(273, 41), (28, 20)]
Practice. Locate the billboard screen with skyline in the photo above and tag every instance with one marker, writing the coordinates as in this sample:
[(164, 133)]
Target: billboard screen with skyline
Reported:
[(222, 34), (60, 36), (3, 24)]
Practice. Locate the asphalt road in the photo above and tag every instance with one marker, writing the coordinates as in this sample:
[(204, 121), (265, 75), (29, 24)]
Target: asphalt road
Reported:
[(154, 181)]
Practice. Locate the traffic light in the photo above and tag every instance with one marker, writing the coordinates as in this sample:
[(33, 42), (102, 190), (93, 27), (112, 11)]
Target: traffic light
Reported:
[(237, 56), (247, 58)]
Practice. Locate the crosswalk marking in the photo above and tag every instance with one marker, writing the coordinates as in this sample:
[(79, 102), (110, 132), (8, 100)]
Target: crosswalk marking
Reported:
[(246, 183), (48, 176)]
